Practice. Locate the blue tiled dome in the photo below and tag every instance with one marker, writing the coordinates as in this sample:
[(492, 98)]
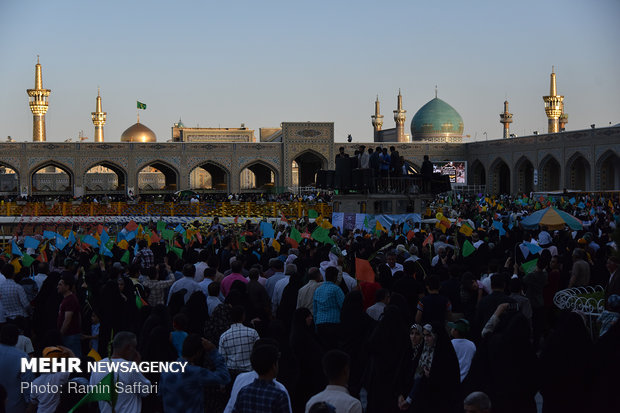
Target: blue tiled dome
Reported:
[(436, 118)]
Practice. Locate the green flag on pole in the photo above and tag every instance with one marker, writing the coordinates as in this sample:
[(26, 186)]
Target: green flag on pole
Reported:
[(104, 391), (125, 257), (295, 234), (529, 266), (141, 105), (27, 260), (468, 248), (322, 235)]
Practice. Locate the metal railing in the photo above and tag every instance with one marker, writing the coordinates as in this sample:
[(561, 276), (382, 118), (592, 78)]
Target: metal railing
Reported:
[(161, 208)]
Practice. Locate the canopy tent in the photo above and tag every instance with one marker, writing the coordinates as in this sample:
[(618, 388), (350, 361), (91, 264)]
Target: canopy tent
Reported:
[(551, 218)]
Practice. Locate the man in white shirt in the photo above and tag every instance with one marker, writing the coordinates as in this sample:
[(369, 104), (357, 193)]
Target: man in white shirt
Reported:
[(392, 264), (41, 276), (336, 366), (306, 293), (465, 349), (382, 298), (124, 351), (279, 286), (364, 158), (201, 265)]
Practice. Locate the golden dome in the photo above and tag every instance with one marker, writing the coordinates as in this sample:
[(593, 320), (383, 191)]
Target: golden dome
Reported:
[(138, 133)]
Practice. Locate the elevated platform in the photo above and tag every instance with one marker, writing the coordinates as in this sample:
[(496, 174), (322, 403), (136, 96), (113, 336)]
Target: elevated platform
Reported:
[(386, 203)]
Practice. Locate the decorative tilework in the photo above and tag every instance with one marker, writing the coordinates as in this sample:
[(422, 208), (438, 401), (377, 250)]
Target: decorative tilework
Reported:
[(194, 161), (67, 161)]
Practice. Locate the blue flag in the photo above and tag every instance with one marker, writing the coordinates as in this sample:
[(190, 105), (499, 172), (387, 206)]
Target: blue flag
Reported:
[(30, 242), (104, 237), (103, 250), (49, 234), (90, 240), (121, 235), (136, 249), (532, 248), (61, 242), (15, 249), (71, 238), (267, 230), (500, 227), (179, 229), (572, 201), (131, 235)]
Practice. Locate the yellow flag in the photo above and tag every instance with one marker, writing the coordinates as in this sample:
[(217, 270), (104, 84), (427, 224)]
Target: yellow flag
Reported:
[(16, 265), (379, 227), (466, 230), (94, 355), (123, 244), (276, 245), (326, 224)]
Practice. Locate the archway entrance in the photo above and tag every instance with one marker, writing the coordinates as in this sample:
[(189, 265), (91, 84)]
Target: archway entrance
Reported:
[(304, 168), (9, 180), (578, 173), (105, 177), (157, 177), (500, 173), (524, 176), (478, 176), (52, 179), (257, 176), (609, 171), (549, 174), (209, 176)]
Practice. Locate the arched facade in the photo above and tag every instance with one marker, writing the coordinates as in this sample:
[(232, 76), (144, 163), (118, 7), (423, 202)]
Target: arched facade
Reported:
[(524, 175), (264, 176), (500, 177), (45, 178), (577, 172), (209, 176), (549, 174), (477, 174), (308, 163), (608, 171), (97, 177), (9, 179), (170, 181)]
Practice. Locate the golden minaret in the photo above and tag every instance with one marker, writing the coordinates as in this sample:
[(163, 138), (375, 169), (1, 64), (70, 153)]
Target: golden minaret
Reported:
[(506, 120), (377, 120), (554, 105), (399, 118), (38, 105), (99, 118)]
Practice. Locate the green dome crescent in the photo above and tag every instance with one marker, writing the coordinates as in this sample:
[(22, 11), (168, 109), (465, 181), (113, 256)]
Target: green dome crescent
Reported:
[(436, 118)]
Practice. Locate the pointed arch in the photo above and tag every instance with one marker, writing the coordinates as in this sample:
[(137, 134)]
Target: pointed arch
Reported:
[(104, 181), (524, 175), (549, 172), (168, 182), (499, 172), (608, 171), (50, 180), (9, 181), (258, 174), (477, 174), (209, 175), (307, 163), (577, 172)]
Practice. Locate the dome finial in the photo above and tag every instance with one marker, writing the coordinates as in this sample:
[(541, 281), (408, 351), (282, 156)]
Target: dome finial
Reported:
[(435, 91)]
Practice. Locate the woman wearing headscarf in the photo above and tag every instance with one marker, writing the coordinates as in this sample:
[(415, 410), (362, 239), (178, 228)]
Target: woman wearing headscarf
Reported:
[(307, 353), (437, 376), (406, 372), (356, 326), (288, 303), (387, 347)]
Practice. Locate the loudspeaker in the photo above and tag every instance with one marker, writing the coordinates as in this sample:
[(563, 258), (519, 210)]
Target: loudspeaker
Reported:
[(320, 178), (362, 179), (344, 168), (330, 176)]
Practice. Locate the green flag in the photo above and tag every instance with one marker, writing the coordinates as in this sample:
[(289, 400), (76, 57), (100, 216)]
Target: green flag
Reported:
[(178, 252), (167, 234), (296, 235), (94, 259), (322, 235), (161, 225), (125, 257), (468, 248), (529, 266), (141, 105), (104, 391), (27, 260), (312, 213)]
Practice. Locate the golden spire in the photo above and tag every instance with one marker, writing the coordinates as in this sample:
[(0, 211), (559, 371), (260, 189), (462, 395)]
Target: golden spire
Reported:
[(38, 105), (554, 104), (99, 118)]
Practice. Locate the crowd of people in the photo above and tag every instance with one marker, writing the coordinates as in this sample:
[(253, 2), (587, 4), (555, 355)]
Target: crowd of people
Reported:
[(290, 324)]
